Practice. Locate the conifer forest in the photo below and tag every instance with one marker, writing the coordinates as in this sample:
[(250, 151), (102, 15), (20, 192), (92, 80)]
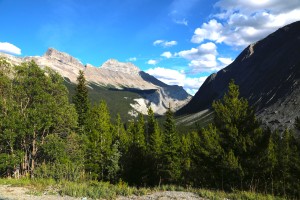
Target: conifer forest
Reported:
[(45, 134)]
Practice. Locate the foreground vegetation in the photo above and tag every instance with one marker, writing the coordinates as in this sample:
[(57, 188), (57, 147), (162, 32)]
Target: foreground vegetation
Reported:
[(105, 190), (45, 137)]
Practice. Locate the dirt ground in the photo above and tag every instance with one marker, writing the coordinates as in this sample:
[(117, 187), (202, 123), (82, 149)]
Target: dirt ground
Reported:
[(21, 193)]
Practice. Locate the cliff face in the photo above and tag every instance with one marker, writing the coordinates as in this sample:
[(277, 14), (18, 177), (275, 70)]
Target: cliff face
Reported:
[(268, 73), (114, 75)]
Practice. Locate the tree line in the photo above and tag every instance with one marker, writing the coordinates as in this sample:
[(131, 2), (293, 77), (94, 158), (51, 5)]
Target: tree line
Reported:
[(44, 135)]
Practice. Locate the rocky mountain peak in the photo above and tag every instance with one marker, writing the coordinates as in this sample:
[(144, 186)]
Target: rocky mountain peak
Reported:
[(61, 57), (115, 65)]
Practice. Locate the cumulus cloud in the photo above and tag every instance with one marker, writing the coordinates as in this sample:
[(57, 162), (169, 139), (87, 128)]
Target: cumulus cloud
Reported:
[(240, 22), (202, 58), (152, 62), (207, 49), (251, 6), (9, 48), (175, 77), (132, 59), (192, 85), (164, 43), (168, 76), (166, 54), (225, 61), (211, 31)]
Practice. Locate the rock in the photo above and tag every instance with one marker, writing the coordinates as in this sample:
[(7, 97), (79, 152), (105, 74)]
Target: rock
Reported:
[(116, 75), (268, 75)]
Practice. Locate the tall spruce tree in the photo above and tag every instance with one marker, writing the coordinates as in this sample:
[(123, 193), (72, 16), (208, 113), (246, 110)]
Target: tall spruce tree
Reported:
[(81, 100), (154, 145), (240, 135), (154, 137), (170, 170)]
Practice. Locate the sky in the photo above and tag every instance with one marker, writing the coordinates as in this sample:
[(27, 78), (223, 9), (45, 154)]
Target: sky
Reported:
[(178, 41)]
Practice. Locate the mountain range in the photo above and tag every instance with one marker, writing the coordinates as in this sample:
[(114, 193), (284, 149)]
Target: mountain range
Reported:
[(267, 72), (268, 75), (129, 86)]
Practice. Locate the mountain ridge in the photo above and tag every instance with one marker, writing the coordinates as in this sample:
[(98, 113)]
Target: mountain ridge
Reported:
[(114, 75), (268, 74)]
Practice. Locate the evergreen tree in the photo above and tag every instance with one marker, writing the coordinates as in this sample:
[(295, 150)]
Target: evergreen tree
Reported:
[(154, 145), (170, 170), (135, 160), (207, 146), (288, 165), (121, 136), (185, 156), (100, 142), (81, 100), (240, 134), (153, 134), (139, 134)]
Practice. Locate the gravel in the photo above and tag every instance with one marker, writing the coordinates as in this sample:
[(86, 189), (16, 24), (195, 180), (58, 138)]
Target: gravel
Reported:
[(21, 193)]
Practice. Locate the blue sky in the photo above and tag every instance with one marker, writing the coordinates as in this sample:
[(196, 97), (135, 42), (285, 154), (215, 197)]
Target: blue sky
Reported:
[(178, 41)]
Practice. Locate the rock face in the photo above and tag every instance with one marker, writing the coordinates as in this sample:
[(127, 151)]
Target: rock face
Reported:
[(114, 75), (268, 73)]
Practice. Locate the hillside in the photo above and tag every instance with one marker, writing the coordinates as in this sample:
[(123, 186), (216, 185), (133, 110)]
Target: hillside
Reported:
[(268, 73), (126, 88)]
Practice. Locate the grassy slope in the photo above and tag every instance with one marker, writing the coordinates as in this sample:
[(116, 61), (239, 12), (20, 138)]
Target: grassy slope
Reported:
[(106, 190), (118, 101)]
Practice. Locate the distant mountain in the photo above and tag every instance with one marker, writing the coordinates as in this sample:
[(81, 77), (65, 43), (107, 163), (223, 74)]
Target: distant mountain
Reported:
[(138, 88), (268, 73)]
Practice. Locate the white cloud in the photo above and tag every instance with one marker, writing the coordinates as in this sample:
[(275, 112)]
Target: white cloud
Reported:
[(245, 22), (199, 52), (168, 76), (9, 48), (225, 61), (211, 31), (174, 77), (152, 62), (181, 21), (132, 59), (157, 42), (165, 43), (251, 6), (169, 43), (192, 85), (202, 58), (166, 54)]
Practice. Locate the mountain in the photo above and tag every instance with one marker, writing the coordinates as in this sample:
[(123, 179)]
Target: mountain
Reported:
[(122, 84), (268, 75)]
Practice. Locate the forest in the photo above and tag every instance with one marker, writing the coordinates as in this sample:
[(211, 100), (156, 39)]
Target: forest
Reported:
[(44, 134)]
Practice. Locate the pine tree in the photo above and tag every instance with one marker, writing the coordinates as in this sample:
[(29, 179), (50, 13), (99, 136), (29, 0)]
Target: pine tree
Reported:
[(81, 100), (153, 134), (288, 165), (207, 146), (100, 140), (240, 134), (154, 145), (139, 135), (170, 170), (135, 159)]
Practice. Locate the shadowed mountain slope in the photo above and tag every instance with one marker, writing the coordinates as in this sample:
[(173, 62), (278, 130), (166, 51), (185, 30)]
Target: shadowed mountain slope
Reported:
[(268, 73)]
